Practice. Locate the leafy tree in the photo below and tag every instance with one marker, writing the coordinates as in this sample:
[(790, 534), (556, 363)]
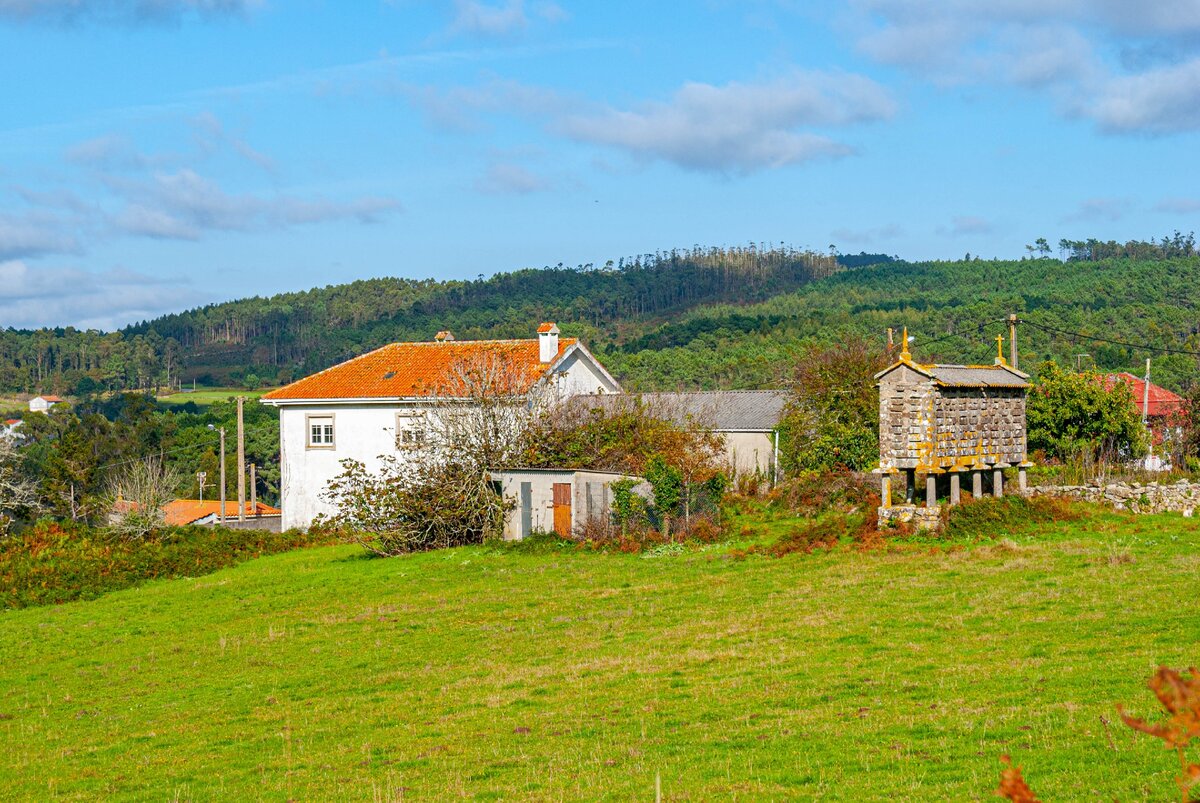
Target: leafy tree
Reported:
[(1075, 414), (667, 483), (832, 418)]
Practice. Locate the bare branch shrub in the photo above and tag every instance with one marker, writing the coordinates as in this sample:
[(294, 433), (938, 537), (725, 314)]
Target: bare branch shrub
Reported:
[(136, 497), (18, 493), (437, 494), (407, 507)]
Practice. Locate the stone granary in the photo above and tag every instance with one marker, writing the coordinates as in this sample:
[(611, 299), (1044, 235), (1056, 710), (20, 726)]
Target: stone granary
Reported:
[(947, 421)]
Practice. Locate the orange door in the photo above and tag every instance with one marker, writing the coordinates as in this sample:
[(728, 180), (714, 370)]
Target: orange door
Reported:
[(562, 509)]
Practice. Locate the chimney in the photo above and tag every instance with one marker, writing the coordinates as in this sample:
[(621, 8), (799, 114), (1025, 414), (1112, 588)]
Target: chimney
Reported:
[(443, 336), (547, 342)]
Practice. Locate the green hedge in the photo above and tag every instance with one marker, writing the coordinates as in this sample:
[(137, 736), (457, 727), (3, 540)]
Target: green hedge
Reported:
[(52, 562)]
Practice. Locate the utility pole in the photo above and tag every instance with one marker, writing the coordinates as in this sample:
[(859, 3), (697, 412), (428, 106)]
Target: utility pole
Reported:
[(1146, 394), (891, 346), (241, 400), (201, 476), (253, 491), (222, 431), (1012, 341)]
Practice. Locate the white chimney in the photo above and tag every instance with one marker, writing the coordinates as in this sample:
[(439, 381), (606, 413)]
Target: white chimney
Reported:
[(547, 342)]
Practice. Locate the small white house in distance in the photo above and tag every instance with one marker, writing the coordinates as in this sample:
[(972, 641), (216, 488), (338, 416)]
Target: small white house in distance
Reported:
[(9, 428), (379, 404), (556, 500), (41, 404)]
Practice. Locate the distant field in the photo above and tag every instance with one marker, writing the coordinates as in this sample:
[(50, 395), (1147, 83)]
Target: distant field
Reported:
[(499, 674), (206, 396)]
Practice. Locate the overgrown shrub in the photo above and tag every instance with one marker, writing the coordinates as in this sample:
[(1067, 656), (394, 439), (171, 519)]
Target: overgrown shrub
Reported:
[(1072, 413), (989, 517), (413, 506), (827, 532), (52, 563), (809, 493)]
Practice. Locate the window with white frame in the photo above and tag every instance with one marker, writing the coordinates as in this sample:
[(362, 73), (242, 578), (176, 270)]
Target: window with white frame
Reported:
[(320, 432), (410, 430)]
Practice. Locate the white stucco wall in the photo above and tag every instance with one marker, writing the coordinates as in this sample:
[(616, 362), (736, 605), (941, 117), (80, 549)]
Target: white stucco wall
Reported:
[(750, 452), (363, 432), (541, 487)]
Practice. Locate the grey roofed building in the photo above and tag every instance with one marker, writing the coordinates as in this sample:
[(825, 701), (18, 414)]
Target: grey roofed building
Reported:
[(747, 419)]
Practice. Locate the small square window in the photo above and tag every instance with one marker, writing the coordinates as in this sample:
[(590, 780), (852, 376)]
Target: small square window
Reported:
[(320, 432), (410, 431)]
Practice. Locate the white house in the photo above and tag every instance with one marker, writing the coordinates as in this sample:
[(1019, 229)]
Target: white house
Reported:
[(41, 404), (9, 428), (378, 404)]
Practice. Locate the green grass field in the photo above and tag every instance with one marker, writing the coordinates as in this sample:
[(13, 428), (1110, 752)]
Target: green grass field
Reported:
[(206, 396), (494, 673)]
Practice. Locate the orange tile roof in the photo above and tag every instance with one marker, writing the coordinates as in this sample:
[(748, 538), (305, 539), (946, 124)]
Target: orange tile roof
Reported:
[(410, 370), (546, 327), (178, 512)]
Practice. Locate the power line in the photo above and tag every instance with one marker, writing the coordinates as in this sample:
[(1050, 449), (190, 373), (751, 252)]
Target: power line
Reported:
[(1110, 341)]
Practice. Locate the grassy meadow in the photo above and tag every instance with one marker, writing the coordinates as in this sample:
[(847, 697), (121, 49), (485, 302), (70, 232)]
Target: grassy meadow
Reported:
[(554, 673), (203, 397)]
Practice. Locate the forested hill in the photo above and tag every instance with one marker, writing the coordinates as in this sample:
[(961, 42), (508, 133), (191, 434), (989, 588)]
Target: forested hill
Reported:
[(287, 335), (697, 319)]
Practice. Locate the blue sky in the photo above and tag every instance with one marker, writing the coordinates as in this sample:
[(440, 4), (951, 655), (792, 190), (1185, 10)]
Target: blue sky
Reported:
[(160, 154)]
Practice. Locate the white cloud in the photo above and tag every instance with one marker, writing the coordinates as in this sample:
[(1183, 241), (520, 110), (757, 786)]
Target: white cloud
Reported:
[(35, 235), (1159, 101), (1093, 209), (739, 127), (184, 204), (505, 178), (476, 18), (1096, 58), (35, 296), (966, 226), (868, 236), (1178, 206), (124, 12)]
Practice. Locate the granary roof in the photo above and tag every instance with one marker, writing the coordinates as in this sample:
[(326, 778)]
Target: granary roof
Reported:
[(178, 512), (965, 376), (718, 410), (420, 370), (1162, 401), (977, 376)]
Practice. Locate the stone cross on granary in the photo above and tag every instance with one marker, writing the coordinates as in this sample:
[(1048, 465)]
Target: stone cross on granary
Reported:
[(948, 422)]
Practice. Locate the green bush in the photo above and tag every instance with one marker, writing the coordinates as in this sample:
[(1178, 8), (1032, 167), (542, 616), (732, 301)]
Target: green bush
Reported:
[(51, 563), (990, 518)]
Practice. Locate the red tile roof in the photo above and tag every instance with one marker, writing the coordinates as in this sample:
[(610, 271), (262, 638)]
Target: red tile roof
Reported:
[(410, 370), (546, 327), (178, 512), (1162, 401), (54, 399)]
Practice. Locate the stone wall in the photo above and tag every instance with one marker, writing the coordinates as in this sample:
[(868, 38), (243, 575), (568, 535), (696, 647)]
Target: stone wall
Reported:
[(927, 518), (1178, 497)]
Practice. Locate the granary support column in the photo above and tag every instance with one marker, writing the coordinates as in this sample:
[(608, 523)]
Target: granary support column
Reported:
[(955, 490), (977, 484), (930, 490), (910, 485), (1022, 479), (997, 482), (885, 489)]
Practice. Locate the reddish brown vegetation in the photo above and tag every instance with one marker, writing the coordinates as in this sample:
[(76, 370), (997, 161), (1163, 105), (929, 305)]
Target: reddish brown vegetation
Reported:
[(1180, 696), (1013, 786)]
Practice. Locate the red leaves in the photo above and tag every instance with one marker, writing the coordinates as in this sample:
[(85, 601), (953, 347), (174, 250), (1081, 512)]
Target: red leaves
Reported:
[(1013, 786), (1180, 696)]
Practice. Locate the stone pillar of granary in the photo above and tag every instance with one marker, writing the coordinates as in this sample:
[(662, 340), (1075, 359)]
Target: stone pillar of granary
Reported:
[(910, 485), (997, 482), (885, 490), (977, 484), (955, 490), (1022, 479), (930, 490)]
